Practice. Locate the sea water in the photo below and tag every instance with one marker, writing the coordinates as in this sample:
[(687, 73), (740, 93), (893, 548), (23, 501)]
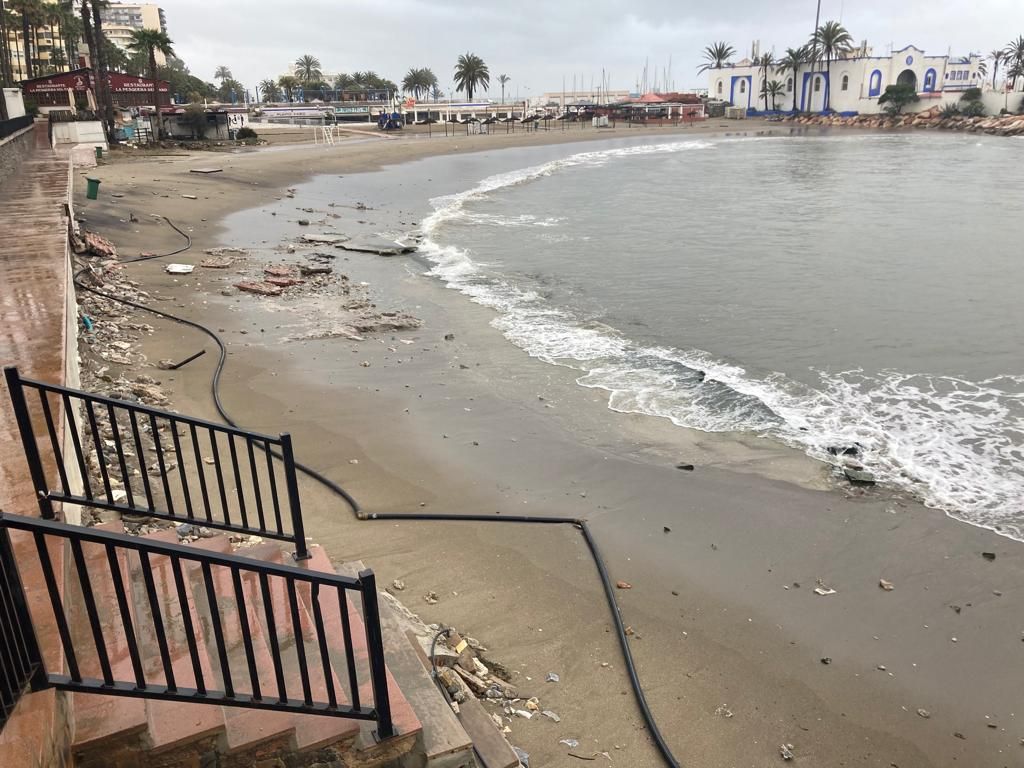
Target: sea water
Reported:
[(823, 291)]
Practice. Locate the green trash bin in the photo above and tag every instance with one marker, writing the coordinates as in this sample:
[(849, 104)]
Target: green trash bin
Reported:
[(99, 153), (93, 191)]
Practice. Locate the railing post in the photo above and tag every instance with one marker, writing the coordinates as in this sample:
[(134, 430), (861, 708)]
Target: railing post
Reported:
[(375, 648), (28, 441), (22, 617), (298, 530)]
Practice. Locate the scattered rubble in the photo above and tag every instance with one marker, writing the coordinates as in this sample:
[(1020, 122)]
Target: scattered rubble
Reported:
[(98, 245), (259, 288)]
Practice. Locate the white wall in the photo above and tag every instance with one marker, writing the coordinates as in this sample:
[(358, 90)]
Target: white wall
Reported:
[(14, 102), (80, 132)]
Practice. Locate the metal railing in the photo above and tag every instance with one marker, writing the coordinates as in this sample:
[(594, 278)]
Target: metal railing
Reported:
[(156, 620), (139, 460), (15, 124), (21, 666)]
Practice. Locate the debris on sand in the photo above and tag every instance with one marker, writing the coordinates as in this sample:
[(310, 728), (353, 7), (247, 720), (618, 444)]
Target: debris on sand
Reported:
[(217, 262), (323, 239), (283, 282), (277, 270), (259, 288), (888, 586), (378, 245), (623, 585), (786, 750), (179, 269), (98, 245)]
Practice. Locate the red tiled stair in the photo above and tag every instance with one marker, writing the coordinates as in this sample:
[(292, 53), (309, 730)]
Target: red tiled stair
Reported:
[(120, 732)]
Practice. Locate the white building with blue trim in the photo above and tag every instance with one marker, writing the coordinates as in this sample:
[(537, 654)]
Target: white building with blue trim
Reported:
[(854, 83)]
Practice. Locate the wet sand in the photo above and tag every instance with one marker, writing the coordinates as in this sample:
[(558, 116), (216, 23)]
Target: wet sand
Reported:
[(474, 426)]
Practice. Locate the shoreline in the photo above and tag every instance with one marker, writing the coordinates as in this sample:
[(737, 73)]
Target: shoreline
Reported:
[(737, 638)]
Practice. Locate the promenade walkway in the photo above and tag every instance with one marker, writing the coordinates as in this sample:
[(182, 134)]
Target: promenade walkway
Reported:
[(33, 272)]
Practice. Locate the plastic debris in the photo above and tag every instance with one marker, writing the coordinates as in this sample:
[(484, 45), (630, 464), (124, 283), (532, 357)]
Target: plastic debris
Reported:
[(553, 678), (823, 589), (786, 750), (179, 269), (570, 743), (398, 585), (551, 715), (524, 757), (989, 555), (523, 713), (924, 713), (724, 711), (888, 586)]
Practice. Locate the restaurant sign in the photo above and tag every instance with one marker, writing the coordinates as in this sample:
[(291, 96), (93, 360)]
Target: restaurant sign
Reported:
[(76, 81), (125, 84)]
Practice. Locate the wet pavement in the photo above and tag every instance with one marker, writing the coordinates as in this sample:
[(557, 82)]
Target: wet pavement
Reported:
[(33, 278)]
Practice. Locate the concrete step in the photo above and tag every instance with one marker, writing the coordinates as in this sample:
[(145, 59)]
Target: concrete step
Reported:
[(173, 726), (369, 751)]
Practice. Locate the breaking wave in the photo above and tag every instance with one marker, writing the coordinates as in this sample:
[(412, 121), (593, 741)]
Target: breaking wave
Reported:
[(956, 444)]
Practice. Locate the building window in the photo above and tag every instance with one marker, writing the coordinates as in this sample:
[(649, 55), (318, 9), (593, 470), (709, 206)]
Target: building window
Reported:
[(929, 81), (875, 83), (789, 85), (846, 82), (719, 87), (743, 86), (817, 84)]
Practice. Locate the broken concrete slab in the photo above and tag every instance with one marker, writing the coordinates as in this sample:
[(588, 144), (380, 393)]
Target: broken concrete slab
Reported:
[(378, 245), (259, 288), (323, 239)]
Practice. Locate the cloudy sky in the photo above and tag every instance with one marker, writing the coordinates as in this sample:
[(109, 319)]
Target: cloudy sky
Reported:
[(537, 42)]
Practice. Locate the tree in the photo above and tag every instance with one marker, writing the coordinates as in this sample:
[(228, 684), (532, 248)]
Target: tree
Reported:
[(307, 69), (833, 40), (897, 97), (344, 82), (30, 12), (1013, 54), (288, 84), (418, 82), (230, 91), (791, 63), (103, 71), (269, 91), (773, 89), (717, 55), (117, 60), (150, 41), (764, 63), (436, 93), (182, 82), (222, 73), (471, 73), (195, 118), (504, 80)]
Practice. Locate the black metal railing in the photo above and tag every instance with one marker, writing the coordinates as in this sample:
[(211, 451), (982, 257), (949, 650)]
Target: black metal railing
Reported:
[(139, 460), (15, 124), (157, 620), (21, 666)]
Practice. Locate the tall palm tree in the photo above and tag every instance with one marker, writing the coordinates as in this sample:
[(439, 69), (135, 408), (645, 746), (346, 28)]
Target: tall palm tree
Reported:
[(504, 80), (288, 85), (6, 71), (104, 70), (307, 69), (418, 82), (343, 82), (997, 56), (269, 91), (833, 40), (222, 73), (150, 41), (28, 11), (471, 73), (1013, 54), (717, 55), (773, 89), (790, 63), (764, 63)]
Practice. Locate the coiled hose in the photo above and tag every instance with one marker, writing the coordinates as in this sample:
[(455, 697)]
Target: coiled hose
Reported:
[(580, 524)]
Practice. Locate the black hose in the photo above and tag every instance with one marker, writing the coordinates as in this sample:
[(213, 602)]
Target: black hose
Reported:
[(602, 570)]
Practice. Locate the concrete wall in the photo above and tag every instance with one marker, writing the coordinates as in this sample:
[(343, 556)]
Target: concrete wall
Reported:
[(72, 513), (13, 150), (80, 132), (14, 103)]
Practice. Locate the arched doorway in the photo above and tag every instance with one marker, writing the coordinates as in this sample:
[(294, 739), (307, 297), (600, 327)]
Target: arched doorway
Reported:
[(907, 77)]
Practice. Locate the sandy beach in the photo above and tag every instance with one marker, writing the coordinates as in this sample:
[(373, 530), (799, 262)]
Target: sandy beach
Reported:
[(730, 638)]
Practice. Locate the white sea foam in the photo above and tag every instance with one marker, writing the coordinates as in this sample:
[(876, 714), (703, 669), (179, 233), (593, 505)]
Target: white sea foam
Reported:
[(956, 444)]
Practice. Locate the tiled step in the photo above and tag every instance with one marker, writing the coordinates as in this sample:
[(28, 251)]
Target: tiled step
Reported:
[(311, 732), (107, 728), (173, 725), (369, 752)]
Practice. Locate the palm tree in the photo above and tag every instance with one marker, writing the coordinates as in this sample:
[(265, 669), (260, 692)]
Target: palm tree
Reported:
[(6, 73), (149, 41), (997, 56), (269, 91), (764, 63), (504, 80), (288, 85), (833, 40), (418, 82), (307, 69), (222, 73), (29, 11), (717, 55), (471, 73), (102, 69), (435, 92), (1013, 54), (773, 88), (791, 63)]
